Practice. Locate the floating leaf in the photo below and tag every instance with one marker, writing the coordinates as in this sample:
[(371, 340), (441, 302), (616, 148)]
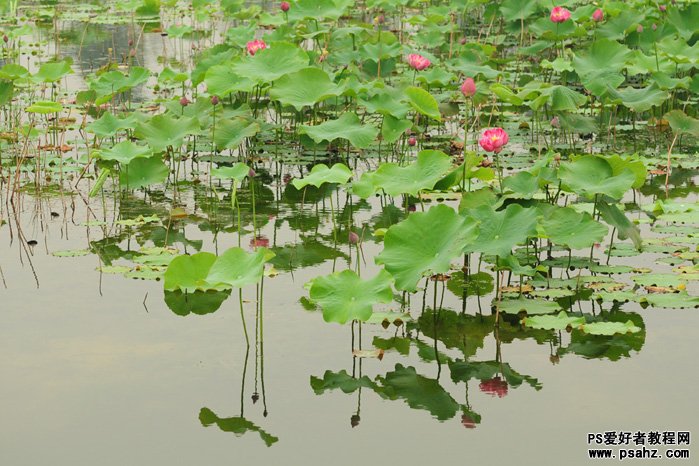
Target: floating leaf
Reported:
[(320, 174), (558, 322), (609, 328)]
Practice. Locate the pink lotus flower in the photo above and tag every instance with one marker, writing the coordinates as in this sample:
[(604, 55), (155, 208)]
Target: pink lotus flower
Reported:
[(184, 101), (493, 140), (418, 62), (259, 242), (285, 6), (639, 29), (598, 15), (468, 88), (494, 387), (560, 14), (255, 45), (412, 141)]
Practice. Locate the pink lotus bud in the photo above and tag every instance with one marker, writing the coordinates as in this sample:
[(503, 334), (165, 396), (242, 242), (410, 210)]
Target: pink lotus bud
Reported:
[(353, 238), (468, 88), (639, 29), (560, 14), (5, 39), (555, 123), (462, 41), (132, 52), (254, 45), (251, 173), (184, 101), (412, 141), (493, 140), (214, 100), (662, 8), (654, 26), (418, 62), (598, 15), (284, 6), (130, 42), (467, 421)]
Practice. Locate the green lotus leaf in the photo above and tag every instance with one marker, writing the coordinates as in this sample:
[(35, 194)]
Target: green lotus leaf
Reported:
[(387, 101), (124, 152), (237, 425), (636, 166), (430, 167), (108, 125), (463, 371), (682, 124), (319, 9), (342, 380), (679, 300), (272, 63), (667, 280), (393, 128), (163, 131), (518, 10), (505, 94), (44, 107), (113, 82), (348, 127), (304, 88), (197, 302), (423, 102), (685, 20), (344, 296), (565, 226), (221, 80), (237, 268), (501, 230), (53, 71), (418, 391), (425, 244), (625, 228), (188, 273), (523, 184), (475, 284), (230, 134), (339, 173), (638, 100), (143, 172), (603, 54), (610, 328), (237, 172), (558, 322), (563, 99), (590, 175), (530, 306)]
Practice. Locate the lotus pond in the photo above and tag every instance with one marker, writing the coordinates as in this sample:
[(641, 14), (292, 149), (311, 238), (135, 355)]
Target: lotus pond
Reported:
[(346, 231)]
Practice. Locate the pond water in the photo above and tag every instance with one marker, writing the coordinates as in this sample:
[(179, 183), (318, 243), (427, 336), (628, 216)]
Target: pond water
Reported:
[(100, 366)]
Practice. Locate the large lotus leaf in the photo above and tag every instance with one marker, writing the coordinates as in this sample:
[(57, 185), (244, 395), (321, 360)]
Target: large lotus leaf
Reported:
[(114, 82), (563, 99), (342, 380), (610, 328), (198, 302), (237, 268), (681, 123), (518, 10), (237, 172), (430, 167), (589, 175), (620, 164), (386, 102), (45, 106), (344, 296), (124, 152), (501, 230), (505, 94), (272, 63), (463, 371), (304, 88), (339, 173), (53, 71), (671, 300), (603, 54), (530, 306), (348, 126), (162, 131), (230, 134), (638, 100), (423, 102), (418, 391), (143, 172), (558, 322), (393, 128), (616, 218), (237, 425), (222, 80), (685, 20), (564, 226), (425, 244), (108, 125), (188, 273), (319, 9), (522, 184)]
